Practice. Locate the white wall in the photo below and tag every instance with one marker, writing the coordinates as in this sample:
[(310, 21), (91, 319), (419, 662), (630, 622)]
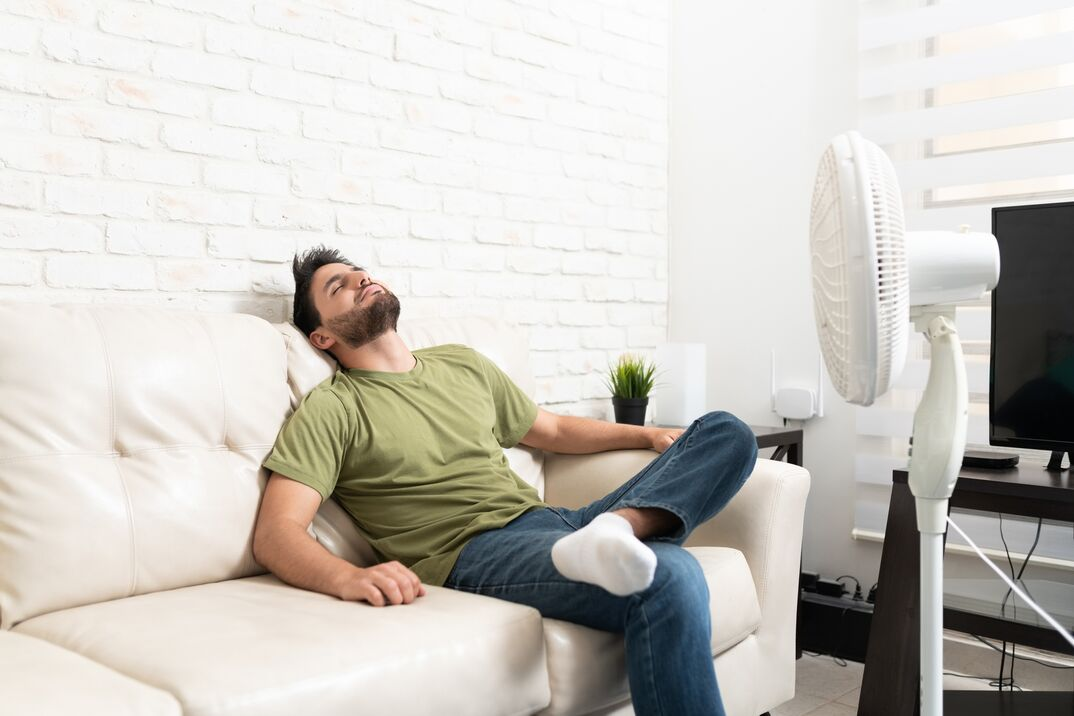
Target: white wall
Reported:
[(757, 90), (483, 156)]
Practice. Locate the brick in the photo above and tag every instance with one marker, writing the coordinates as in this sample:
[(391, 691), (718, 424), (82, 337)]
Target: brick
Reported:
[(49, 79), (113, 272), (367, 101), (607, 337), (148, 23), (548, 136), (19, 272), (494, 231), (199, 68), (445, 228), (497, 13), (558, 288), (406, 196), (332, 63), (235, 12), (577, 11), (605, 146), (428, 52), (578, 214), (291, 214), (20, 114), (109, 125), (339, 127), (648, 245), (298, 153), (527, 48), (445, 173), (202, 276), (415, 142), (537, 261), (608, 240), (546, 82), (555, 187), (549, 27), (294, 19), (607, 289), (18, 36), (651, 291), (508, 182), (43, 233), (474, 258), (629, 219), (440, 283), (481, 65), (505, 286), (153, 239), (572, 114), (272, 280), (645, 336), (255, 113), (403, 78), (531, 312), (451, 116), (88, 48), (362, 36), (553, 339), (466, 90), (471, 203), (411, 253), (202, 207), (147, 166), (250, 244), (582, 314), (20, 192), (552, 236), (249, 43), (376, 223), (207, 140), (646, 153), (632, 315), (520, 209), (98, 198), (158, 96), (462, 30), (364, 163), (246, 177), (330, 185), (295, 86), (585, 264), (502, 129)]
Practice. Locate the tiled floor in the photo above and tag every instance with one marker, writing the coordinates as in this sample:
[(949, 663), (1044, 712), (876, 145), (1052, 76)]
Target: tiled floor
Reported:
[(824, 688)]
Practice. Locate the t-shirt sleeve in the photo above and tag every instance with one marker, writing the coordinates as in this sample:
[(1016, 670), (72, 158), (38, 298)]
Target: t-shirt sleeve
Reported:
[(515, 411), (312, 444)]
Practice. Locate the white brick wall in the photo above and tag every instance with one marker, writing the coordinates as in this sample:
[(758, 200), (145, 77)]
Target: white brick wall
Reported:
[(483, 156)]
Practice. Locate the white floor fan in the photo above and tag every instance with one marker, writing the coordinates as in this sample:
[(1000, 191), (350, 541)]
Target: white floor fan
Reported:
[(870, 281)]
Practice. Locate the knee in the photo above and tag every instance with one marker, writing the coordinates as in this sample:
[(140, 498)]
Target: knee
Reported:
[(680, 579), (734, 434)]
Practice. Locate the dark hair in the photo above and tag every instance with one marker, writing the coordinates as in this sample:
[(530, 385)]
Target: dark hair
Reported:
[(306, 316)]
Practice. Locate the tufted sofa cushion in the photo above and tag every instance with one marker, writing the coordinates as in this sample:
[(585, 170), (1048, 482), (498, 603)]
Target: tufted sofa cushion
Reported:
[(130, 450)]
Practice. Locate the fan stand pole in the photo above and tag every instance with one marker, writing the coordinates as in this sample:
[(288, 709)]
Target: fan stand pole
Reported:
[(939, 442)]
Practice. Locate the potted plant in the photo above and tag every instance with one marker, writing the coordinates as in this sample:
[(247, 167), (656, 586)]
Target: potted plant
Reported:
[(630, 381)]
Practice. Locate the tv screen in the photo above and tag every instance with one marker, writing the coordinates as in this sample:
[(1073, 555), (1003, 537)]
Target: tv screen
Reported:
[(1031, 401)]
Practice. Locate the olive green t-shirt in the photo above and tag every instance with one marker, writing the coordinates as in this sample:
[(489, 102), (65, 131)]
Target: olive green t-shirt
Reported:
[(415, 458)]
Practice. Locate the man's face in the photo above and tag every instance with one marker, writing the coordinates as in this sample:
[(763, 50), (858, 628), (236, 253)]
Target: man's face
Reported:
[(354, 307)]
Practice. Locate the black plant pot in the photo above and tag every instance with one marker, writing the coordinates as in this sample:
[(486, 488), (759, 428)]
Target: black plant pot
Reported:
[(630, 410)]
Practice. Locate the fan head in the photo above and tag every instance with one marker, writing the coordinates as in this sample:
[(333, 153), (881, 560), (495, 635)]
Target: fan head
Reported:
[(861, 293)]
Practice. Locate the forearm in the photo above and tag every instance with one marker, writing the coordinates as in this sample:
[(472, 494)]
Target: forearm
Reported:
[(582, 435), (291, 554)]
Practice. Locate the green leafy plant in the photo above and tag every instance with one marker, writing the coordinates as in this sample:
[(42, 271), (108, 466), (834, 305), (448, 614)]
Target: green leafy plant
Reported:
[(631, 377)]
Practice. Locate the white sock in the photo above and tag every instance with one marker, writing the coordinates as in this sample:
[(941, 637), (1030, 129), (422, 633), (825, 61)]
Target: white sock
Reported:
[(606, 553)]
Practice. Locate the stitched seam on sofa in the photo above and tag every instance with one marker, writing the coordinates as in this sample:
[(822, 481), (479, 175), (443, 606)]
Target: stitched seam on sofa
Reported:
[(219, 377), (763, 591), (115, 460), (113, 453), (274, 692)]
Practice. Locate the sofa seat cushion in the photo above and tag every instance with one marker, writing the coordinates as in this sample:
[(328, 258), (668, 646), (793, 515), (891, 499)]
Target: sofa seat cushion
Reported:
[(587, 667), (256, 645), (39, 678)]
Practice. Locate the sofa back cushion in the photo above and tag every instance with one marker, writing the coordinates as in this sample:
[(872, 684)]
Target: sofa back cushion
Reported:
[(131, 440)]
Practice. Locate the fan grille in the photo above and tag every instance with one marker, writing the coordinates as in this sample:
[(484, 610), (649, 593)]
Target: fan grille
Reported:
[(857, 234)]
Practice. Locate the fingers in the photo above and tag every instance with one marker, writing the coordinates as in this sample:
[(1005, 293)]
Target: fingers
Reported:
[(390, 583)]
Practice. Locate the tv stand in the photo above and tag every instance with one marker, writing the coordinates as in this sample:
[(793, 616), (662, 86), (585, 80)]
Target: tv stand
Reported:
[(1055, 463)]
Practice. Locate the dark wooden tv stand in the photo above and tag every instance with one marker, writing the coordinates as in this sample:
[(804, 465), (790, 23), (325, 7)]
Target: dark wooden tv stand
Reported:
[(890, 681)]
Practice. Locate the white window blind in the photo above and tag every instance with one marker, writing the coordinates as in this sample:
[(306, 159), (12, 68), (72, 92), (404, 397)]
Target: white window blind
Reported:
[(974, 102)]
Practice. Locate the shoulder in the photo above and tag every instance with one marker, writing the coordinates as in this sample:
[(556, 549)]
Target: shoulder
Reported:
[(328, 396)]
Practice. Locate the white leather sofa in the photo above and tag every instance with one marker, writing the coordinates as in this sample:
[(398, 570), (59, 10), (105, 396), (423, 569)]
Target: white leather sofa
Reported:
[(130, 447)]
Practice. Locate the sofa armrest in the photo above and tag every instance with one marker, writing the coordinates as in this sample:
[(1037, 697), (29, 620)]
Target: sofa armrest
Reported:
[(763, 520)]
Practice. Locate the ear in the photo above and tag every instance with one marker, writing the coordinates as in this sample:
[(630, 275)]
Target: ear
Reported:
[(320, 340)]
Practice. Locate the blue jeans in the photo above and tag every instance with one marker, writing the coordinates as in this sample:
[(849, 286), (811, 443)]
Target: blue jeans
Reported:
[(666, 627)]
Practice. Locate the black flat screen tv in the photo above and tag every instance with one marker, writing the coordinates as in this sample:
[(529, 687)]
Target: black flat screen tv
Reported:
[(1031, 377)]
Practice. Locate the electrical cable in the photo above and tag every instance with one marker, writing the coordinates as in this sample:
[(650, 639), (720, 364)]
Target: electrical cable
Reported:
[(857, 588), (1024, 658)]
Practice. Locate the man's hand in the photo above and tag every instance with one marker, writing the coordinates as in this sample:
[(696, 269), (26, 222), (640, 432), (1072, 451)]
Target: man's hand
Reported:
[(663, 437), (383, 584)]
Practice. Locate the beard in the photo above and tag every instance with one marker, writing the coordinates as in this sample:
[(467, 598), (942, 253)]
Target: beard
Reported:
[(359, 325)]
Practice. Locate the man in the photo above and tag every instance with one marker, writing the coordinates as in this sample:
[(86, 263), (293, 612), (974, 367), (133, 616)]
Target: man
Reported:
[(411, 445)]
